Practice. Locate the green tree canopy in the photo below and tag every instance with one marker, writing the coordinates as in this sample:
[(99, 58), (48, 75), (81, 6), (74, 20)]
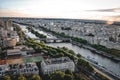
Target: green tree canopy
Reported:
[(68, 72), (57, 75), (36, 77), (7, 77), (21, 78), (68, 77)]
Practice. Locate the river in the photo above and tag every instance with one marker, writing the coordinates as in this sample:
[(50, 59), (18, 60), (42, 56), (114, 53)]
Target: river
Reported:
[(103, 61)]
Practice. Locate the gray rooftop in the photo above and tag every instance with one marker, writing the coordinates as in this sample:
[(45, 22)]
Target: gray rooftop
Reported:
[(57, 60)]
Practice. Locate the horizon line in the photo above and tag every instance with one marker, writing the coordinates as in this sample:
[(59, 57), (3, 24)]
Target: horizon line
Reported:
[(56, 18)]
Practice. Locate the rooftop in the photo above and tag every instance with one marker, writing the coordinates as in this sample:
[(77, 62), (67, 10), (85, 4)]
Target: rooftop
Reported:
[(57, 60), (13, 51), (14, 69)]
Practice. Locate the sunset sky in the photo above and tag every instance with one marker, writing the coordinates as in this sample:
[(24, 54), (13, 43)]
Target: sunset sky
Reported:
[(80, 9)]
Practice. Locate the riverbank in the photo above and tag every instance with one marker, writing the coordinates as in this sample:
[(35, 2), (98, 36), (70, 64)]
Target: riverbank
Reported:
[(96, 51), (102, 70)]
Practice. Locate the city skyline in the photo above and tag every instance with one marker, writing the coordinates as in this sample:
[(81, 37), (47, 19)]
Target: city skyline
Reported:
[(77, 9)]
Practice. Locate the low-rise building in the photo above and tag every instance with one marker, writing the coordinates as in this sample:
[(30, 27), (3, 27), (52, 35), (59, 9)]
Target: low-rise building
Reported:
[(13, 34), (8, 42), (15, 52), (48, 66), (17, 69)]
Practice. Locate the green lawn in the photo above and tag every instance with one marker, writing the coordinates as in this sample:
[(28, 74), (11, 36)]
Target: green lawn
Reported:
[(33, 59)]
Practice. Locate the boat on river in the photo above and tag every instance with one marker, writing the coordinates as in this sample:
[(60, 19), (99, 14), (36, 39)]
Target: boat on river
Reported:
[(92, 60)]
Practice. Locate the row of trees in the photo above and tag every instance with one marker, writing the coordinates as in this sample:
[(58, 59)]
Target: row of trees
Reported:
[(112, 51), (51, 51), (22, 77), (66, 36), (58, 52), (36, 33), (60, 75), (84, 64)]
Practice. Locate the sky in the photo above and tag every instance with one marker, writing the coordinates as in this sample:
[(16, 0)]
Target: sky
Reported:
[(78, 9)]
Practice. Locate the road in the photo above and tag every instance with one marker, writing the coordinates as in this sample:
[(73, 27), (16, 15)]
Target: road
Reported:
[(103, 71), (100, 72)]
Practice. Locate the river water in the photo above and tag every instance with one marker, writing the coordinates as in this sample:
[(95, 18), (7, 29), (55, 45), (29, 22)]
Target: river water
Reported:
[(103, 61), (107, 63)]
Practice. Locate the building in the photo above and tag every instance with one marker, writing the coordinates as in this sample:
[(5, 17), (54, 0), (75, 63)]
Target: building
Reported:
[(48, 66), (16, 69), (15, 52), (13, 34), (9, 42), (1, 23), (7, 24), (3, 33)]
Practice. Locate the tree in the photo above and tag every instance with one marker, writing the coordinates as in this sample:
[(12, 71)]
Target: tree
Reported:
[(36, 77), (57, 75), (77, 76), (84, 64), (72, 52), (7, 77), (68, 77), (21, 78), (68, 72), (78, 55), (42, 42), (46, 77), (64, 48)]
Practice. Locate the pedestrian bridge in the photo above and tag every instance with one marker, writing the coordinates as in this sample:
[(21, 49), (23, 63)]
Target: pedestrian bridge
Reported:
[(53, 40)]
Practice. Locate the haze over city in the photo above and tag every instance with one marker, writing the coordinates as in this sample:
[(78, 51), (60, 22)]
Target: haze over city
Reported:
[(76, 9), (59, 39)]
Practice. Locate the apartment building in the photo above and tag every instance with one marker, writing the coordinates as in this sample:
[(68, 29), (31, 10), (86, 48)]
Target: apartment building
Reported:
[(16, 69), (48, 66)]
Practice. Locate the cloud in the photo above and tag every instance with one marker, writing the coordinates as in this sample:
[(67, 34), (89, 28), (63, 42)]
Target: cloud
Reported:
[(107, 10), (12, 13), (82, 15), (112, 18)]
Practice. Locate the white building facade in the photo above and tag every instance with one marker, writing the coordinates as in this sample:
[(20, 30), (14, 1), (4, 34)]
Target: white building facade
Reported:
[(50, 65)]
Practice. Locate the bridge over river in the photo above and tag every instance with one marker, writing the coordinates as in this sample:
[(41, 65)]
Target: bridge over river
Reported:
[(53, 40)]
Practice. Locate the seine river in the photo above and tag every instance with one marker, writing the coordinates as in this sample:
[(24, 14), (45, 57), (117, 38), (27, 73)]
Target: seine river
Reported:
[(107, 63), (103, 61)]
